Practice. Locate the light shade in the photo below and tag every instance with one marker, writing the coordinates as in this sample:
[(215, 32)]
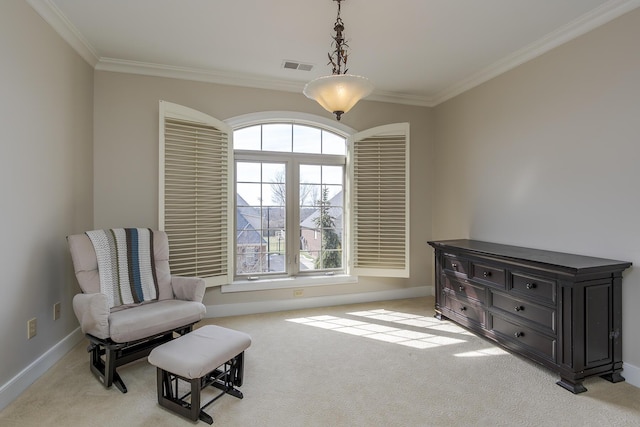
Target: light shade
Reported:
[(338, 93)]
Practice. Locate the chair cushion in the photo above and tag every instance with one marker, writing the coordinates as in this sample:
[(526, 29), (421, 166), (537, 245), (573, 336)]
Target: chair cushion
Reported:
[(153, 318), (199, 352)]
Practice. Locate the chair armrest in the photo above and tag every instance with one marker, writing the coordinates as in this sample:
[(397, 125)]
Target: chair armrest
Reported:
[(188, 288), (92, 311)]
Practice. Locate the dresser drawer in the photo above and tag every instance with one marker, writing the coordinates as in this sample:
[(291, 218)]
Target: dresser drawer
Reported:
[(525, 310), (524, 337), (532, 287), (465, 289), (488, 274), (464, 308), (456, 265)]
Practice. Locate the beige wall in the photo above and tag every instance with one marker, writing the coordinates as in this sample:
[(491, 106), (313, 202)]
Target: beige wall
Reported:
[(126, 160), (46, 117), (547, 156), (543, 156)]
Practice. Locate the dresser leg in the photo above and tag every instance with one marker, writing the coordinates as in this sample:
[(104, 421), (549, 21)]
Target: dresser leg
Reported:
[(614, 377), (439, 316), (573, 387)]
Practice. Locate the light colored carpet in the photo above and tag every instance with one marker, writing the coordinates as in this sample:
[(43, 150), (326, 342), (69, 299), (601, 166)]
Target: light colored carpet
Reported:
[(376, 364)]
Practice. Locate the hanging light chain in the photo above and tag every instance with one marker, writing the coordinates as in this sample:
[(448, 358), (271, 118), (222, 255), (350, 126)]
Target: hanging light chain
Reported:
[(338, 58)]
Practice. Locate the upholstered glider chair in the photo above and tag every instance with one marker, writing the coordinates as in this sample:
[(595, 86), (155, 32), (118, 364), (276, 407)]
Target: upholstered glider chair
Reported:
[(130, 302)]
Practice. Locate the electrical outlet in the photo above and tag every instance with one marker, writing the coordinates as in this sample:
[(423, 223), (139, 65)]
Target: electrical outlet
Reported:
[(298, 292), (56, 311), (32, 326)]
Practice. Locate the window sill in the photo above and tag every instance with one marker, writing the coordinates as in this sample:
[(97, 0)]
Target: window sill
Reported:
[(293, 282)]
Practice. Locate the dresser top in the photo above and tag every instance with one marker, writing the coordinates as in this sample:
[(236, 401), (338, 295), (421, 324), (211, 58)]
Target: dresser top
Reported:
[(575, 263)]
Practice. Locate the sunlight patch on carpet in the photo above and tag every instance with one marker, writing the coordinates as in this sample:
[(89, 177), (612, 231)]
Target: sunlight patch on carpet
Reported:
[(493, 351), (412, 320), (409, 338)]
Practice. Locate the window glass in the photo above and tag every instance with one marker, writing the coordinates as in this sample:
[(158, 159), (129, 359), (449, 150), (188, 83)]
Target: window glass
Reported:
[(247, 138), (310, 158), (321, 217), (260, 217), (307, 139), (333, 144), (276, 137)]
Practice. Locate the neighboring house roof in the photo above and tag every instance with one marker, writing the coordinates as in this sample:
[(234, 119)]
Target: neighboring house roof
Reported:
[(335, 210), (247, 224)]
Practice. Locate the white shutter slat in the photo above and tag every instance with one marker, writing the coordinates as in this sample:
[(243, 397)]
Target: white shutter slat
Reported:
[(195, 192), (380, 186)]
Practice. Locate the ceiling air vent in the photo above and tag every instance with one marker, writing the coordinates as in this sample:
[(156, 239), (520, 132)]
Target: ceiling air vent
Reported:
[(293, 65)]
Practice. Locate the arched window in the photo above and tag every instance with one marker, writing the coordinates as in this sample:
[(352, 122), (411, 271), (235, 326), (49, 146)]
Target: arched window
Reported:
[(289, 201), (307, 201)]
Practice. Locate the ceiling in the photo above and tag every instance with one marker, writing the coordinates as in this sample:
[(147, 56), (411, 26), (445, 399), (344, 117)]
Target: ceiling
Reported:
[(418, 52)]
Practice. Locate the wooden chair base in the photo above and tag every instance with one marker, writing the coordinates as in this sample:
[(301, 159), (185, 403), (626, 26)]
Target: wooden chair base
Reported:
[(189, 404)]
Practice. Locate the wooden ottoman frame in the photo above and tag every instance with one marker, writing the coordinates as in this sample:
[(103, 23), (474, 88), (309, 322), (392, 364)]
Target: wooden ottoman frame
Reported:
[(209, 356)]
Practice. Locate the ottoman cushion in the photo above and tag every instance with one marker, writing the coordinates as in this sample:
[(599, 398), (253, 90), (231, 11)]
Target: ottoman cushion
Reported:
[(198, 353)]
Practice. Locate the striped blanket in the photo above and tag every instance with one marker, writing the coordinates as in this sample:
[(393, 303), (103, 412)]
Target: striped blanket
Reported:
[(125, 264)]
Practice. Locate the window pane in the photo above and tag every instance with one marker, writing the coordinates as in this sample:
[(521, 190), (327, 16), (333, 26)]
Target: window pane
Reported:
[(260, 218), (333, 144), (332, 174), (273, 172), (306, 139), (309, 194), (310, 174), (276, 137), (248, 172), (321, 217), (308, 260), (250, 261), (247, 138), (332, 192), (273, 194), (251, 194)]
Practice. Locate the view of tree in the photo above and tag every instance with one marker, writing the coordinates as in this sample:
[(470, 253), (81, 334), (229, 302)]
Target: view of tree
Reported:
[(329, 258), (279, 197)]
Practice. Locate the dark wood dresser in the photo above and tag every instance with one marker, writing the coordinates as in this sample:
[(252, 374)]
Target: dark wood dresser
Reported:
[(561, 310)]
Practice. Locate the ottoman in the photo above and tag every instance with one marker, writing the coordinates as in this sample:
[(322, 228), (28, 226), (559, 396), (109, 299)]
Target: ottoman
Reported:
[(208, 356)]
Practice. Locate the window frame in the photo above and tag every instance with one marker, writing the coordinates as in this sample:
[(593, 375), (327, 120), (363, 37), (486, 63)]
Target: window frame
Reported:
[(293, 161), (305, 119)]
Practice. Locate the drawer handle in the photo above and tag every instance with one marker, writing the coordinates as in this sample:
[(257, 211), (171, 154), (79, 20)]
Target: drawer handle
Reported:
[(461, 288), (487, 274), (463, 308), (454, 266), (519, 308), (519, 334), (531, 285)]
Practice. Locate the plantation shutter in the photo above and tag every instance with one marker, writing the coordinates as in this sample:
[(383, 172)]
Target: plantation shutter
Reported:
[(380, 201), (194, 192)]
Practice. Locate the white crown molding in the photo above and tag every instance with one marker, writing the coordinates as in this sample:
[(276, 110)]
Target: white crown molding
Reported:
[(196, 74), (59, 22), (401, 98), (587, 22)]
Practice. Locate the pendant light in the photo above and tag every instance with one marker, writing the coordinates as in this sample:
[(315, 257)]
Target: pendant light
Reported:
[(339, 92)]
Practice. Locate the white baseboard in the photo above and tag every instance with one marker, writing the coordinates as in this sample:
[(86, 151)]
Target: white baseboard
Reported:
[(631, 374), (238, 309), (14, 387)]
